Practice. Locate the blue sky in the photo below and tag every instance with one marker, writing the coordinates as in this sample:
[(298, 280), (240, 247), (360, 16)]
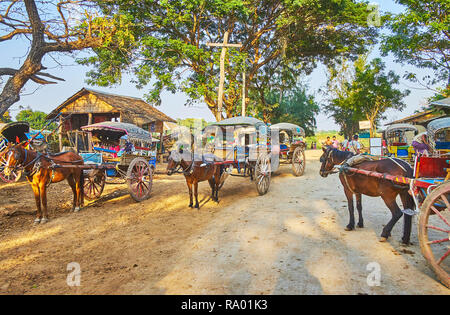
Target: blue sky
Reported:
[(46, 98)]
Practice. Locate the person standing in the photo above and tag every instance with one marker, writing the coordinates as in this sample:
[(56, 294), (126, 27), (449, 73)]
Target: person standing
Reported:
[(328, 142), (354, 146), (335, 143)]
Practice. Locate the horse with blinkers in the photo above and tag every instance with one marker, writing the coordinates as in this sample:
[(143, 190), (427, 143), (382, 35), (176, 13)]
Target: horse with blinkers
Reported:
[(40, 173), (359, 184)]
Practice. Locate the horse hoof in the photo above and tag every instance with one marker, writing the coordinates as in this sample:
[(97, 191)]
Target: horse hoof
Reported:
[(361, 226), (44, 220), (349, 228), (77, 209), (383, 239), (37, 221)]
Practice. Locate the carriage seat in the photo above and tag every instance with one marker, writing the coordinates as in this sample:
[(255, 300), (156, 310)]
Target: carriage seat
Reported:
[(210, 158), (360, 158)]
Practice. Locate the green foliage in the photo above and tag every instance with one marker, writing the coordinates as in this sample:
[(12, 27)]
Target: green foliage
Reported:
[(368, 94), (294, 106), (5, 118), (167, 44), (420, 36), (192, 123), (36, 119)]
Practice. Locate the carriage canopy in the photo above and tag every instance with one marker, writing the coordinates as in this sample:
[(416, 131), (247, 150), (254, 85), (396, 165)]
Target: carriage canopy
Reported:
[(438, 125), (400, 127), (294, 129), (240, 121), (113, 131), (15, 130)]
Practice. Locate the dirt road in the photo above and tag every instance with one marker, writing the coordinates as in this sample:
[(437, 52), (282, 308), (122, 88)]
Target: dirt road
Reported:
[(290, 241)]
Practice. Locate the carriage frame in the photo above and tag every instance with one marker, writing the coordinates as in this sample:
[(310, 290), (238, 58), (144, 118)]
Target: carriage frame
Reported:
[(134, 168), (291, 151), (14, 132), (252, 158)]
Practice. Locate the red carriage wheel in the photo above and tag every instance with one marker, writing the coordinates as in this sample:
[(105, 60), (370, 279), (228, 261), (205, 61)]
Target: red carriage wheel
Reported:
[(434, 231), (140, 179), (94, 182), (298, 161)]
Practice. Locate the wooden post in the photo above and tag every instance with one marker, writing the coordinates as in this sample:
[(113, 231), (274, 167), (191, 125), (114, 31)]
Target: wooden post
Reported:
[(243, 94), (91, 149), (224, 46), (60, 131)]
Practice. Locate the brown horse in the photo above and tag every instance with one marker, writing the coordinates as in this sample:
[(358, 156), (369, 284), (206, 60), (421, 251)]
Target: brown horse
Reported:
[(39, 172), (195, 172), (358, 184)]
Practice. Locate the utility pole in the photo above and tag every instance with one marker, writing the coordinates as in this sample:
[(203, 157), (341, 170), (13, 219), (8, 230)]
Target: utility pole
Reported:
[(224, 46)]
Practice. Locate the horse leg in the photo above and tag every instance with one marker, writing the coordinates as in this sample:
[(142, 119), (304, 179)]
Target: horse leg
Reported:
[(196, 194), (79, 182), (390, 202), (212, 184), (408, 203), (37, 198), (71, 182), (359, 208), (43, 193), (189, 184), (351, 209)]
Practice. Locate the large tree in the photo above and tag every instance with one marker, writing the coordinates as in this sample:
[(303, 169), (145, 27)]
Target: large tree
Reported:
[(374, 91), (421, 36), (341, 74), (363, 92), (52, 26), (293, 106), (172, 54)]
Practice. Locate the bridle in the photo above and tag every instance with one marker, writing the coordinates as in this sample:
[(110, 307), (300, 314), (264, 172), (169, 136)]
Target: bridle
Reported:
[(178, 168), (330, 159)]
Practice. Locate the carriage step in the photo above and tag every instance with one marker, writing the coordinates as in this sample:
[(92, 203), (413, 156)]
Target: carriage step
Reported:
[(409, 212)]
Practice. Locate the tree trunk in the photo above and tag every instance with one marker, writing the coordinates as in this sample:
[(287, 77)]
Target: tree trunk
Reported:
[(32, 65)]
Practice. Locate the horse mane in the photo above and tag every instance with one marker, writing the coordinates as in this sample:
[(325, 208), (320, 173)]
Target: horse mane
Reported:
[(342, 154)]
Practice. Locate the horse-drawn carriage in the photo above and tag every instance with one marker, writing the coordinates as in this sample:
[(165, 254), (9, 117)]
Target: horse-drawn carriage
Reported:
[(430, 188), (241, 143), (14, 132), (399, 138), (291, 146), (439, 136), (120, 150)]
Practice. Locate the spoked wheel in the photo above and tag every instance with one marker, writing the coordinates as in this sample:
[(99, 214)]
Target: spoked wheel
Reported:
[(434, 231), (94, 182), (13, 177), (262, 173), (140, 179), (298, 162)]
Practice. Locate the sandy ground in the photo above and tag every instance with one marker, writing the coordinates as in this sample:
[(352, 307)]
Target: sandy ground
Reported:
[(290, 241)]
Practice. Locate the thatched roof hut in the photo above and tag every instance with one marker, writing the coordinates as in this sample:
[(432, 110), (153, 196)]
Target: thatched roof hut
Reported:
[(89, 106)]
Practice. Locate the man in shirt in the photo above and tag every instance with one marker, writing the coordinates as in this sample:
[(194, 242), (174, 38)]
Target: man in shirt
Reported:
[(354, 146), (328, 142)]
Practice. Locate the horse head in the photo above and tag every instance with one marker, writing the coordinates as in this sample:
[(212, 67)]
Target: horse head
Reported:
[(14, 156), (327, 161), (177, 160)]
